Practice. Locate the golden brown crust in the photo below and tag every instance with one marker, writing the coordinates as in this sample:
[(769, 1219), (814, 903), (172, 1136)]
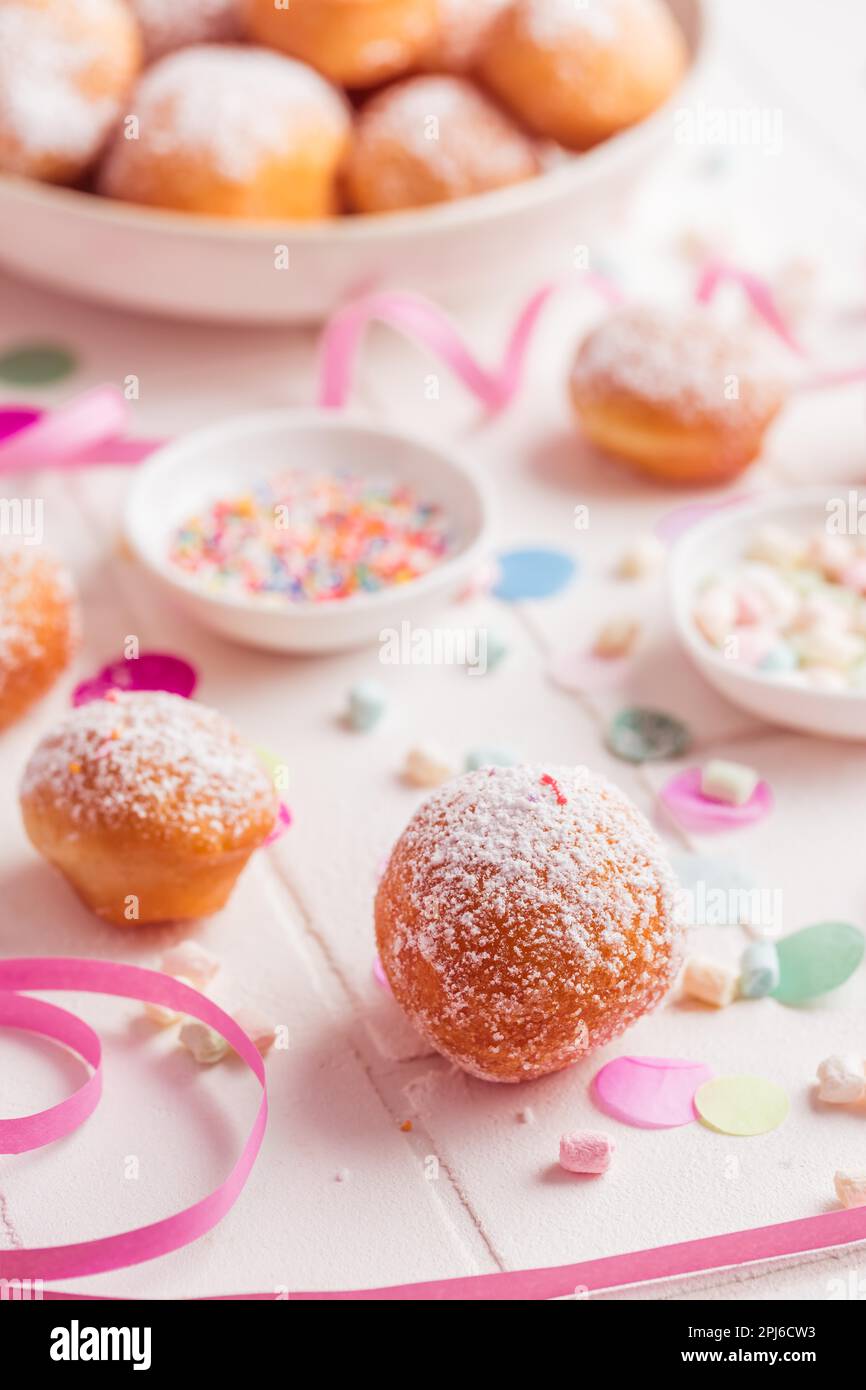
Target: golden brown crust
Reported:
[(431, 140), (525, 917), (147, 798), (579, 74), (38, 627), (355, 43)]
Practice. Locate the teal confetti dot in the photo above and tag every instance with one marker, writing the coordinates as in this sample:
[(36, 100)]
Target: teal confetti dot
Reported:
[(647, 735), (36, 364), (817, 959)]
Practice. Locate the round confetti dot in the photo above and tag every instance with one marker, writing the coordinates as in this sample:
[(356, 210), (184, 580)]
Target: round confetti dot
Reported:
[(647, 735), (36, 364), (15, 418), (148, 671), (817, 959), (533, 574), (741, 1104), (683, 798), (650, 1092)]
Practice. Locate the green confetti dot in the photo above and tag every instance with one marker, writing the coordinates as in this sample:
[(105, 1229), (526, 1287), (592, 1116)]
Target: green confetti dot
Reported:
[(817, 959), (36, 364), (647, 735)]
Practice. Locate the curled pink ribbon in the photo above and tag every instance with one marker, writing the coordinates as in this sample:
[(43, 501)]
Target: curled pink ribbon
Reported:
[(84, 431)]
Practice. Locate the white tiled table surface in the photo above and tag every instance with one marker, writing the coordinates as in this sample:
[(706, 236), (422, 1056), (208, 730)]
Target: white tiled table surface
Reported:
[(297, 935)]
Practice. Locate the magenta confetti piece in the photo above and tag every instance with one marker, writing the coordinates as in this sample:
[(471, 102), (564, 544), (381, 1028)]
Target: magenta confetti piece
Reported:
[(14, 418), (582, 673), (147, 671), (380, 977), (650, 1092), (690, 808), (284, 820)]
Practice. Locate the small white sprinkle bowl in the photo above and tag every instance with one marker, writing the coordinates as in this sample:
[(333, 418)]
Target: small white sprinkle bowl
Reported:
[(225, 459), (714, 543)]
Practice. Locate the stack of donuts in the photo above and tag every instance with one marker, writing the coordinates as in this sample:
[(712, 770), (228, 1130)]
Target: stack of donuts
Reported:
[(303, 109)]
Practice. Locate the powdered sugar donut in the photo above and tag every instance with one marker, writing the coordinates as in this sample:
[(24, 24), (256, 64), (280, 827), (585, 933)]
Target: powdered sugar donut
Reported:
[(578, 73), (38, 627), (64, 71), (677, 395), (231, 131), (464, 28), (356, 43), (430, 140), (170, 24), (525, 917), (149, 804)]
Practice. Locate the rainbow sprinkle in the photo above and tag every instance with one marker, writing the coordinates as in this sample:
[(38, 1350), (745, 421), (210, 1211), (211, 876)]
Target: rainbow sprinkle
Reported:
[(312, 537)]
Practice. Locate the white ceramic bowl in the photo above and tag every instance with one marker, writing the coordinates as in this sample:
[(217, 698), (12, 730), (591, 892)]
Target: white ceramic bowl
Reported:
[(226, 458), (711, 545), (214, 268)]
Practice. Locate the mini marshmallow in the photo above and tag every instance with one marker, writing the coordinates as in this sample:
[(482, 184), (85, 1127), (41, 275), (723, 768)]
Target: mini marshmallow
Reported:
[(586, 1151), (260, 1031), (824, 678), (162, 1014), (818, 612), (779, 599), (206, 1044), (826, 646), (759, 970), (830, 554), (643, 557), (427, 766), (854, 577), (850, 1188), (733, 783), (709, 981), (774, 545), (191, 961), (781, 659), (367, 703), (716, 614), (616, 638), (841, 1079)]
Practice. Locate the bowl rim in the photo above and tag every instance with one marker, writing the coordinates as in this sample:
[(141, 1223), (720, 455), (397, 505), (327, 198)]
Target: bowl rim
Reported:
[(176, 452), (764, 505), (477, 210)]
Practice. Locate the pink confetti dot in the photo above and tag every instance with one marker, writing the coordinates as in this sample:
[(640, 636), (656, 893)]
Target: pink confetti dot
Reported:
[(682, 796), (650, 1092)]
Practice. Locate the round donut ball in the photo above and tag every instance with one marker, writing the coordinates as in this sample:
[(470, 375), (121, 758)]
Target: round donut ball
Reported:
[(170, 24), (64, 71), (356, 43), (463, 30), (526, 917), (679, 396), (430, 140), (580, 73), (38, 627), (233, 132), (149, 804)]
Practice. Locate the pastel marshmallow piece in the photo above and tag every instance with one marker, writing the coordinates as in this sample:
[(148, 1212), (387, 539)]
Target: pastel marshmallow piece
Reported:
[(191, 961), (751, 644), (850, 1188), (716, 614), (780, 599), (818, 613), (617, 638), (367, 704), (732, 783), (841, 1079), (854, 577), (259, 1029), (775, 545), (586, 1151), (781, 659), (206, 1044), (645, 556), (163, 1015), (426, 766), (759, 970), (830, 554), (827, 646), (709, 981)]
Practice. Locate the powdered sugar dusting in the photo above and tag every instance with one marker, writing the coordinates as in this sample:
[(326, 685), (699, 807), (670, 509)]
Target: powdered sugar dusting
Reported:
[(45, 107), (464, 27), (687, 362), (30, 582), (539, 903), (233, 106), (170, 24), (155, 762), (550, 23)]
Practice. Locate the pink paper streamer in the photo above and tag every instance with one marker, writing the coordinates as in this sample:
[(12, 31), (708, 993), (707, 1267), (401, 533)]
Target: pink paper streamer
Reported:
[(80, 432), (423, 321), (758, 292)]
